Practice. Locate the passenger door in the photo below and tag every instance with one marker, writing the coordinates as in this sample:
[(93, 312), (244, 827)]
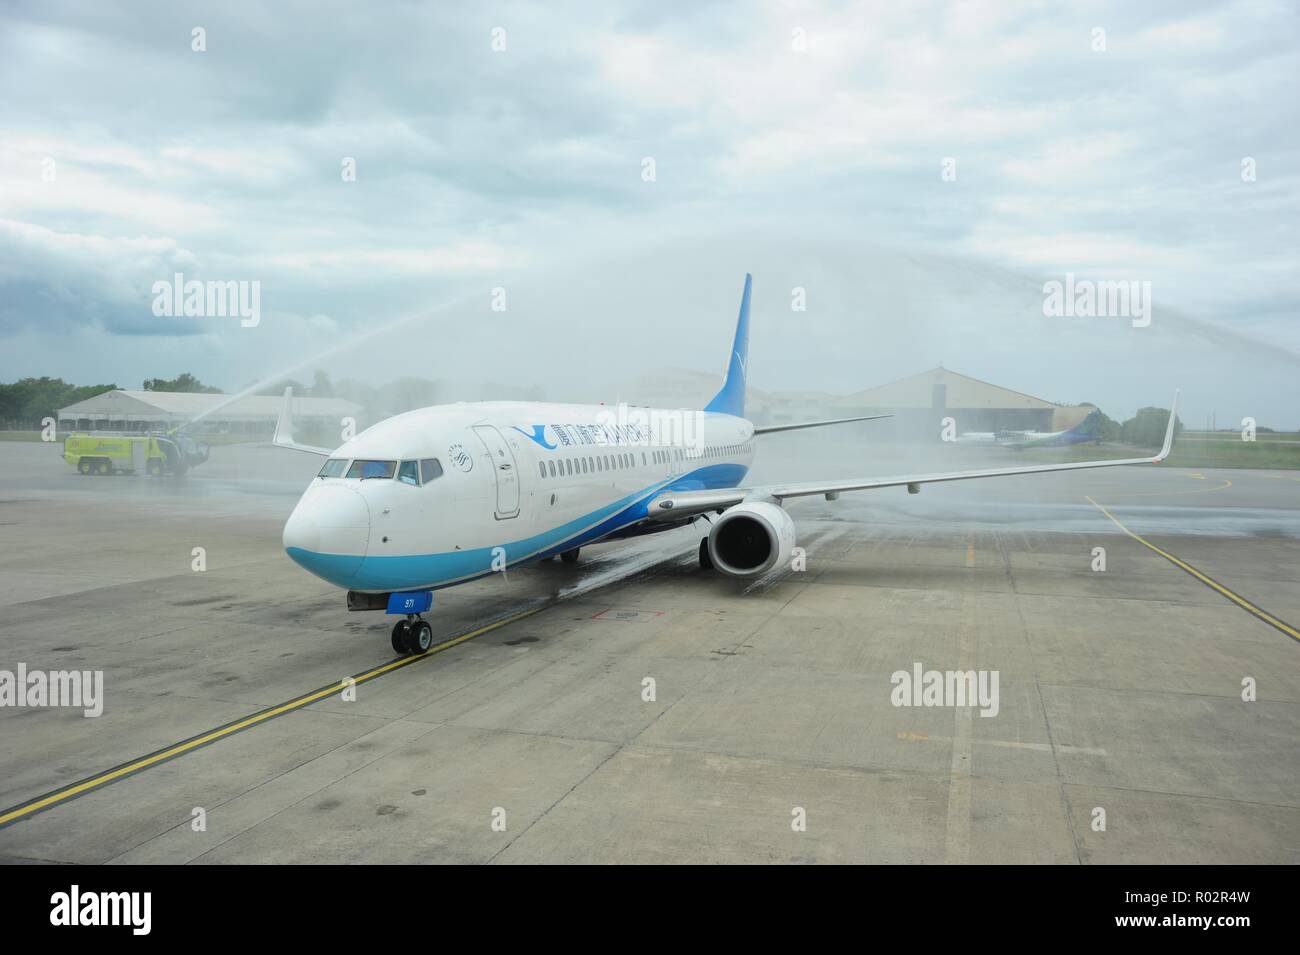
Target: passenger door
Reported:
[(504, 470)]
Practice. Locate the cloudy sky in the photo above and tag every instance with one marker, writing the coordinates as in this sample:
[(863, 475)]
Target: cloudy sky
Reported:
[(507, 146)]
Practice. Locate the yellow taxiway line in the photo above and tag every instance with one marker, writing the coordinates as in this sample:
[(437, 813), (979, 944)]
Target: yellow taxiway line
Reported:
[(1200, 490), (90, 783), (1210, 582)]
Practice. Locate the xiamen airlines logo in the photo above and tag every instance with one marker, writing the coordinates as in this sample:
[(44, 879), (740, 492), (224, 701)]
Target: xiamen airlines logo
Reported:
[(460, 457), (744, 372), (622, 427), (538, 434)]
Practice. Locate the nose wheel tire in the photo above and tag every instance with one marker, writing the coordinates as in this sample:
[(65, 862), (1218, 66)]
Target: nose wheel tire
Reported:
[(570, 556)]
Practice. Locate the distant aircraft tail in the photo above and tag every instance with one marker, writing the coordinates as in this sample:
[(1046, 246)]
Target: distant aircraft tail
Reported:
[(1090, 426), (731, 399)]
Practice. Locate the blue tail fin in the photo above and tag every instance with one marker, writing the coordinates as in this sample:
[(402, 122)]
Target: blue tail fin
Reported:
[(1090, 425), (731, 399)]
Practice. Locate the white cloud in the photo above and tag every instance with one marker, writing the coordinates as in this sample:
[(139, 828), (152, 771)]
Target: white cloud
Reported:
[(477, 169)]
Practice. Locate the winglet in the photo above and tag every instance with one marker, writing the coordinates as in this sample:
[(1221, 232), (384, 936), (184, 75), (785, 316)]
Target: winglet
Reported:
[(731, 399), (283, 437), (284, 424), (1169, 432)]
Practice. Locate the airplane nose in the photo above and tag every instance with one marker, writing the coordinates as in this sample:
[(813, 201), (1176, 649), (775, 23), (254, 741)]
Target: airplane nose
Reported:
[(329, 531)]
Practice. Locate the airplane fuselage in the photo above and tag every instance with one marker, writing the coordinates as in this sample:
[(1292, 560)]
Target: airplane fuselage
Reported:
[(445, 494)]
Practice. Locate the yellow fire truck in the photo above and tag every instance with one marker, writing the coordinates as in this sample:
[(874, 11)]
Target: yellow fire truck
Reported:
[(117, 453)]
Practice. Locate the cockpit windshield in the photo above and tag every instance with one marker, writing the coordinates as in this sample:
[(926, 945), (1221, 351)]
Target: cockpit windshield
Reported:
[(408, 472), (372, 469)]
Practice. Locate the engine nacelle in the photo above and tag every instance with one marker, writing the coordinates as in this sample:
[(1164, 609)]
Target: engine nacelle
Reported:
[(750, 539)]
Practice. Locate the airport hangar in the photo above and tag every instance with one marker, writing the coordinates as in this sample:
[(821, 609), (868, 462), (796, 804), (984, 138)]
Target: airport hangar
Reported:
[(919, 402), (163, 410)]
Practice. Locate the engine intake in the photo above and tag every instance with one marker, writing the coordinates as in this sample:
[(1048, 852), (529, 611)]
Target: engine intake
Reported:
[(750, 539)]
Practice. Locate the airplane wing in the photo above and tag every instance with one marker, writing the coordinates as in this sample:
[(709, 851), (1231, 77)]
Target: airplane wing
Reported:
[(284, 430), (771, 428), (675, 505)]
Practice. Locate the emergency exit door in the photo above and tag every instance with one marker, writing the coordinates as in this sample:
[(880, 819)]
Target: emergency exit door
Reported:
[(503, 469)]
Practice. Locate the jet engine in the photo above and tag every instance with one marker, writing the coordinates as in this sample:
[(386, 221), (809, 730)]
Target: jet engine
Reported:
[(750, 539)]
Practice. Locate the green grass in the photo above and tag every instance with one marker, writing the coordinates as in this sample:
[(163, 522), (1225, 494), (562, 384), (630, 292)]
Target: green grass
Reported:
[(1234, 437), (1270, 451), (214, 439)]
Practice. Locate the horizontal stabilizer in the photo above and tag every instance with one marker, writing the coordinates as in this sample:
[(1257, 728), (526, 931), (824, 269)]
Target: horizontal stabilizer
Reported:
[(772, 428)]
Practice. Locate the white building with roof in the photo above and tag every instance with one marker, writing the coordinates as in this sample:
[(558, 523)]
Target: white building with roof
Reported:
[(163, 410)]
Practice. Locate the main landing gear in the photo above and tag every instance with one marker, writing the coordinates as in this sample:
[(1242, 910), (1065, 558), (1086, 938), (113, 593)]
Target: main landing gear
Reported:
[(412, 635), (706, 562)]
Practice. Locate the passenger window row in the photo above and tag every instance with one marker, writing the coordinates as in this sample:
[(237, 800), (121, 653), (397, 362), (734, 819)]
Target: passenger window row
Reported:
[(594, 464), (601, 463), (723, 450)]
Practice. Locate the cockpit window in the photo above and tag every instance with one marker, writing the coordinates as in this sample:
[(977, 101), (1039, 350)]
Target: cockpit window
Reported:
[(430, 469), (409, 472), (334, 467), (372, 469)]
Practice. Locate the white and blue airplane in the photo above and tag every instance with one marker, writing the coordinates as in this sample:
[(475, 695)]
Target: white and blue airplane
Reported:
[(452, 493)]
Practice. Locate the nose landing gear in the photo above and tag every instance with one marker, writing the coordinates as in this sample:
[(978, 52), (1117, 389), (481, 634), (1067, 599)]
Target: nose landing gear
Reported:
[(412, 635)]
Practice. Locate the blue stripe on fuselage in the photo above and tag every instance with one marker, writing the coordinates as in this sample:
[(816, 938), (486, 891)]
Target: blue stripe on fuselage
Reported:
[(433, 571)]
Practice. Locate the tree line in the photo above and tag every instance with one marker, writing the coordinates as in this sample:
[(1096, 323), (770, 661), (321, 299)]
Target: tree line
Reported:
[(1144, 429), (28, 401), (24, 403)]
